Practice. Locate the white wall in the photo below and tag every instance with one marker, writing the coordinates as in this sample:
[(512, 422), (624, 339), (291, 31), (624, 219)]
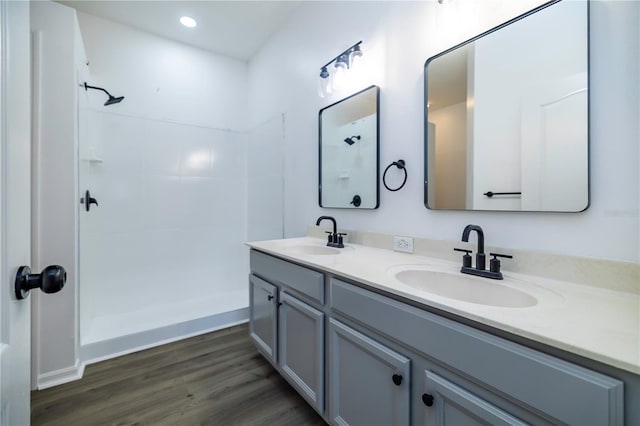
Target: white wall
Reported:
[(163, 79), (398, 38)]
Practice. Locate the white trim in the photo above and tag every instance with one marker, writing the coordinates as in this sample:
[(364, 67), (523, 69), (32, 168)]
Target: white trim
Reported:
[(58, 377), (36, 137), (118, 346)]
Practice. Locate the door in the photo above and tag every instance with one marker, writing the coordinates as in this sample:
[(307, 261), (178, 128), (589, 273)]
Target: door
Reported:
[(15, 211), (301, 353), (369, 382), (449, 404), (263, 316)]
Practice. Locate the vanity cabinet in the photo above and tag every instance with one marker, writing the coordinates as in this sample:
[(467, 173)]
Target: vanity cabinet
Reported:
[(391, 362), (287, 322), (515, 378), (369, 383)]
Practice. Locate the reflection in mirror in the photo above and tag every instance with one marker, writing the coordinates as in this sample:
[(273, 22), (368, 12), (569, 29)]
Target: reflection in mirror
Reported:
[(506, 124), (349, 147)]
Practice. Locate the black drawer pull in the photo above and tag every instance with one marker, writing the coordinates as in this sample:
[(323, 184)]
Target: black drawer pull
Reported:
[(427, 399), (397, 379)]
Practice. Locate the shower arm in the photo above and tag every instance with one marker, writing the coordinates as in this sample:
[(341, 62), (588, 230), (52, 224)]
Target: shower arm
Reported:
[(86, 86)]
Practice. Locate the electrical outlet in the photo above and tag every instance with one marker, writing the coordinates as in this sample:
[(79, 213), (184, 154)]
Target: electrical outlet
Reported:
[(404, 244)]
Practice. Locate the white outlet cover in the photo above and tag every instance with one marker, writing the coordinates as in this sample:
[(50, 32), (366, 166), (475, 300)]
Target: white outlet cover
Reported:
[(403, 244)]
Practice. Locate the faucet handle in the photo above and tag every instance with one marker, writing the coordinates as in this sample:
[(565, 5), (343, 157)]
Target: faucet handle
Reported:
[(496, 255), (330, 237), (340, 237), (494, 264), (466, 259)]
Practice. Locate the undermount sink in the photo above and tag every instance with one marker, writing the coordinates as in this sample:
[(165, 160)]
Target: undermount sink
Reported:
[(314, 250), (465, 288)]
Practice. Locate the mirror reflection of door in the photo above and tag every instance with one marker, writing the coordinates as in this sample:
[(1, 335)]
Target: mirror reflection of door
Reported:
[(349, 152), (507, 116), (554, 162)]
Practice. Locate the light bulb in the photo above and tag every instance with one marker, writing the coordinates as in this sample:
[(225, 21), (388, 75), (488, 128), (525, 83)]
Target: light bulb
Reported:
[(340, 73), (355, 58), (324, 83)]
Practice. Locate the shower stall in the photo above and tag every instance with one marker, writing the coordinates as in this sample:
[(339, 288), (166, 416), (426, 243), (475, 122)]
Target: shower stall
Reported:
[(147, 182), (161, 250)]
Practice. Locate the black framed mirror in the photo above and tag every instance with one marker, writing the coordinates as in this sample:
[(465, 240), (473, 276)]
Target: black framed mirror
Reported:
[(349, 151), (507, 116)]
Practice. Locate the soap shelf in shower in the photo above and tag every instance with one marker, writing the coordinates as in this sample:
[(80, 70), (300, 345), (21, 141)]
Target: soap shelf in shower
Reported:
[(94, 160)]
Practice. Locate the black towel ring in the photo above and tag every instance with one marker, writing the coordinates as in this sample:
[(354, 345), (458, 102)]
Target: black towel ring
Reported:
[(399, 164)]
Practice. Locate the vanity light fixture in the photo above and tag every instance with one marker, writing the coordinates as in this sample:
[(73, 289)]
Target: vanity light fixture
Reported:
[(341, 66), (188, 21)]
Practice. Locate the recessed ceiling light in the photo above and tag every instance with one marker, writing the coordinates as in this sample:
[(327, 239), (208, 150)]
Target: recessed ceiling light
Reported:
[(188, 21)]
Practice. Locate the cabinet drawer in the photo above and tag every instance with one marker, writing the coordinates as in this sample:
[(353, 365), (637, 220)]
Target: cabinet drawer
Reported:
[(567, 392), (305, 281)]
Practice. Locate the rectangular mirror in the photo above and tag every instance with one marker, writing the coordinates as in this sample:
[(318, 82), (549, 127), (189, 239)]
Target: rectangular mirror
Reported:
[(349, 152), (506, 116)]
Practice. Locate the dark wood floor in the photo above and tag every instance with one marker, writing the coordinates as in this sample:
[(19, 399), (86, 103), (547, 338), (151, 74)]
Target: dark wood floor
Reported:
[(214, 379)]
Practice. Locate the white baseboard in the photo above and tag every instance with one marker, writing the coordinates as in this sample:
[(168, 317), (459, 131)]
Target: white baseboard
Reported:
[(118, 346), (59, 377)]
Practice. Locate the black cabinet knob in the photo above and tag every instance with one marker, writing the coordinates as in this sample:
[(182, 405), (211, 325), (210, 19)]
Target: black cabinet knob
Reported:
[(269, 297), (50, 280), (397, 379), (427, 399)]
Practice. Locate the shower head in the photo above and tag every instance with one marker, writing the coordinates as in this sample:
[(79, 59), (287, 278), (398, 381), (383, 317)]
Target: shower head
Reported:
[(111, 100)]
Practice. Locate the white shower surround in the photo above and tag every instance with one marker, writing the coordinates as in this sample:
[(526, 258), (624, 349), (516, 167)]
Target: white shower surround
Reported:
[(163, 254), (166, 243)]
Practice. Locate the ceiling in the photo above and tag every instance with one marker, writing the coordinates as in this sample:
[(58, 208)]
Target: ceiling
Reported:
[(232, 28)]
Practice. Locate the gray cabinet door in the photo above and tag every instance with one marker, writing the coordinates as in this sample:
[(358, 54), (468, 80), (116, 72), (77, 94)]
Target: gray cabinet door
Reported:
[(452, 405), (301, 348), (263, 316), (363, 389)]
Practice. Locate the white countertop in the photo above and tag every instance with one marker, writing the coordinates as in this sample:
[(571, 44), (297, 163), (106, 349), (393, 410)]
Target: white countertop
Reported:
[(597, 323)]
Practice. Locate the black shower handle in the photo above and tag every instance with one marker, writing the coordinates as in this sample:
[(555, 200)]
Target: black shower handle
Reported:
[(88, 200)]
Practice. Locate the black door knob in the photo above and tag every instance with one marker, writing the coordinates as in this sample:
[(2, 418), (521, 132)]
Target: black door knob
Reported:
[(427, 399), (397, 379), (88, 200), (50, 280)]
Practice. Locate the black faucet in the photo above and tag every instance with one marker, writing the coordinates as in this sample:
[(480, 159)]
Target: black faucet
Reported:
[(335, 238), (480, 256), (494, 267)]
